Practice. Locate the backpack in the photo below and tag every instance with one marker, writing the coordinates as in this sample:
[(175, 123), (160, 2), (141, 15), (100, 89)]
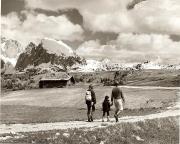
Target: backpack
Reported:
[(88, 96)]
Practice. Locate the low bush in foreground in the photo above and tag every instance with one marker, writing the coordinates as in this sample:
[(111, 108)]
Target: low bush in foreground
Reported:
[(156, 131)]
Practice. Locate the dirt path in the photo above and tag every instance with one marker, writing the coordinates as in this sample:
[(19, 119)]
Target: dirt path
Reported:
[(151, 87), (15, 128)]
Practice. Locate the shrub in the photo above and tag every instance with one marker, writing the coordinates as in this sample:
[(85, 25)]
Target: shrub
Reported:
[(9, 84)]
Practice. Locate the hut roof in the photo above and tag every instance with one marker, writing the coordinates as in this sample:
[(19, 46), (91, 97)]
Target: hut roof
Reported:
[(57, 76)]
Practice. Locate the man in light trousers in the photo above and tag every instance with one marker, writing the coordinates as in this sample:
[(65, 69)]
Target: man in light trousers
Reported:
[(118, 98)]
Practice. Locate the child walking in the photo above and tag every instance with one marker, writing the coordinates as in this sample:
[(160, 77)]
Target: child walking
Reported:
[(106, 108)]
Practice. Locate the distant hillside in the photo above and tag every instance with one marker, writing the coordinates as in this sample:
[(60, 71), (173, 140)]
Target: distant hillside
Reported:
[(108, 65), (159, 77), (30, 78)]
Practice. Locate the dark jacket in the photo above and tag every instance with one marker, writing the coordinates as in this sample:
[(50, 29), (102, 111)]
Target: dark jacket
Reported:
[(106, 105)]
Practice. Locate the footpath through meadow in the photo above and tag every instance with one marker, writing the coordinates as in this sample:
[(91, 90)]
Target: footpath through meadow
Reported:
[(16, 128)]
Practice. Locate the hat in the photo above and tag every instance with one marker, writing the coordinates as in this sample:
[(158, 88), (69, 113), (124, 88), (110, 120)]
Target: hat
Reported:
[(106, 97)]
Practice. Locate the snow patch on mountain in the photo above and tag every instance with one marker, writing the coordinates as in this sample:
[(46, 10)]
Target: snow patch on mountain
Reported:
[(10, 50), (56, 47), (108, 65), (95, 65), (106, 61), (9, 60), (157, 65), (91, 65), (152, 65)]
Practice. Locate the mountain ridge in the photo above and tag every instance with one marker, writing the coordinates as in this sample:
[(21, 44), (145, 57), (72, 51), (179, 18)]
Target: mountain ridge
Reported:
[(48, 51), (59, 53)]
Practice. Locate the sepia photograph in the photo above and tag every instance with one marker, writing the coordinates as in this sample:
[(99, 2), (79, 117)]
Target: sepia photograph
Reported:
[(90, 72)]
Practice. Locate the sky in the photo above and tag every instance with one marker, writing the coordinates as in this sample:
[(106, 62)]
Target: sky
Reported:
[(124, 31)]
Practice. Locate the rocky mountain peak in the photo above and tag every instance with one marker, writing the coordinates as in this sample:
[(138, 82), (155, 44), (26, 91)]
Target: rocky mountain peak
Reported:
[(29, 47), (47, 51)]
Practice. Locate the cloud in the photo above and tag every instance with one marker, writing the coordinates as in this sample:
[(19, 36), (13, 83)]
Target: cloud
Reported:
[(150, 16), (152, 21), (37, 26), (130, 48), (150, 46), (132, 4), (90, 48)]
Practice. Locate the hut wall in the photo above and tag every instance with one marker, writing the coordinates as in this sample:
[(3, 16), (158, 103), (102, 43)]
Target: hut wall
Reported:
[(52, 83)]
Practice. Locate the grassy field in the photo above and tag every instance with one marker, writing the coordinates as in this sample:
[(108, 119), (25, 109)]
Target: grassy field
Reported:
[(149, 77), (51, 105), (155, 78), (156, 131)]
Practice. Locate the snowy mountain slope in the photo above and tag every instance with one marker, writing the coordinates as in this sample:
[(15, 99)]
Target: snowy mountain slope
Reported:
[(48, 51), (95, 65), (156, 65), (9, 60), (10, 50), (56, 47), (91, 66), (107, 65)]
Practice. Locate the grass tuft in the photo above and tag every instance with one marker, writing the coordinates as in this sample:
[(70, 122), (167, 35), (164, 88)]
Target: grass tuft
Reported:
[(161, 131)]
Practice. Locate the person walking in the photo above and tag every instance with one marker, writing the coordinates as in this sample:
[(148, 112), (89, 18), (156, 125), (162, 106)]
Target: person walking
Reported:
[(106, 108), (90, 100), (118, 98)]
